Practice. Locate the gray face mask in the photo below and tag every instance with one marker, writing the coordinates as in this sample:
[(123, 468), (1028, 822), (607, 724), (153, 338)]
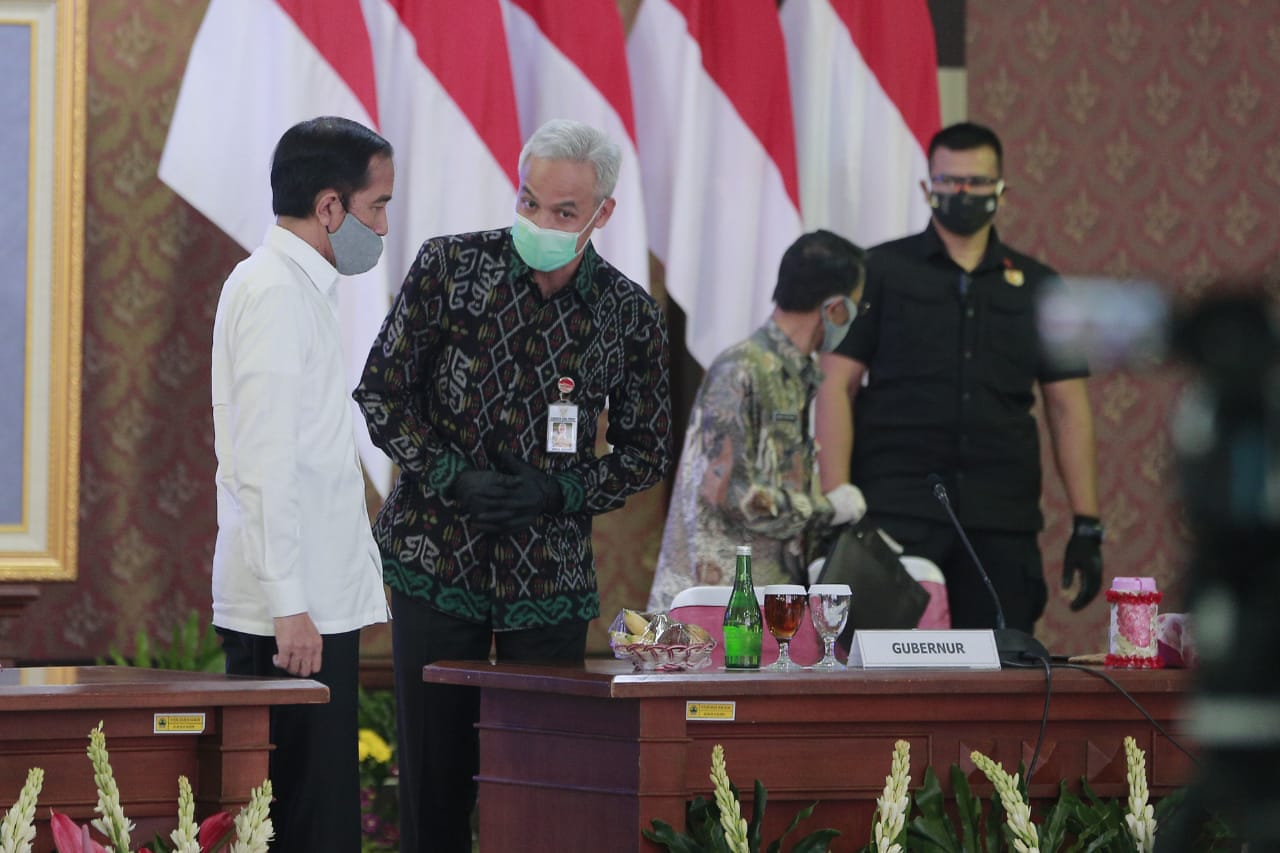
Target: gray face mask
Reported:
[(833, 333), (356, 248)]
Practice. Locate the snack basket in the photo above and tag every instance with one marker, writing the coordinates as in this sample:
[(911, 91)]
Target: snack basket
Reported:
[(661, 645)]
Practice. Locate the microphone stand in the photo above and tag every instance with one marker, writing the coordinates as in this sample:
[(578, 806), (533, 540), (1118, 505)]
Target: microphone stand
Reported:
[(1012, 646)]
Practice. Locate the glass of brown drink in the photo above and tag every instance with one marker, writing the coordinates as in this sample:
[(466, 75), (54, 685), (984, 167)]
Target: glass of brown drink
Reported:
[(783, 611)]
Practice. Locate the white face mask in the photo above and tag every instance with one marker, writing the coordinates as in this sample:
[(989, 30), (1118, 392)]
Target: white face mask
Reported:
[(356, 246), (833, 333), (546, 249)]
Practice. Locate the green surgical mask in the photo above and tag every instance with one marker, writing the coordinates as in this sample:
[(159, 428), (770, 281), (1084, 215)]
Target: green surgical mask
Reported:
[(546, 249)]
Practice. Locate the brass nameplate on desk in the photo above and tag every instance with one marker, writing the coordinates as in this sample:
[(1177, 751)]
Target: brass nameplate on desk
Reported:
[(916, 649), (178, 724), (710, 710)]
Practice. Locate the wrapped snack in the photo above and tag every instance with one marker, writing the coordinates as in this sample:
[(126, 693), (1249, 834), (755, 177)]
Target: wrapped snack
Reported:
[(655, 642), (684, 634), (675, 634), (628, 628)]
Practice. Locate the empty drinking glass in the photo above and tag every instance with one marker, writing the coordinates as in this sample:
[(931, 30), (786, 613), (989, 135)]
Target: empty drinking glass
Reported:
[(829, 609)]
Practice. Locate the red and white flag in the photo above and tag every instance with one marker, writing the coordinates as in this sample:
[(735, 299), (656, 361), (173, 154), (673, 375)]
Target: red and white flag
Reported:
[(432, 76), (864, 88), (448, 107), (569, 61), (257, 67), (717, 154)]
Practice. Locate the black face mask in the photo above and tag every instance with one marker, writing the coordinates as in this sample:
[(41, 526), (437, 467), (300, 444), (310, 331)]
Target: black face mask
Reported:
[(962, 213)]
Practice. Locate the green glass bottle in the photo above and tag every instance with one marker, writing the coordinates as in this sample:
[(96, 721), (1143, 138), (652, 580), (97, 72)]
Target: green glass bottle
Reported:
[(743, 627)]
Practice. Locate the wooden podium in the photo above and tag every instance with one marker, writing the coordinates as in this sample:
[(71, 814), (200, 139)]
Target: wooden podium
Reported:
[(159, 724), (578, 758)]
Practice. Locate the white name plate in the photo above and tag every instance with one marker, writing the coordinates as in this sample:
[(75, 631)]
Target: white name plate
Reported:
[(916, 649)]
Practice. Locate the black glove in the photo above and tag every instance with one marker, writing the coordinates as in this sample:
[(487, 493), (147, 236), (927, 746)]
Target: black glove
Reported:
[(532, 492), (482, 496), (1084, 555)]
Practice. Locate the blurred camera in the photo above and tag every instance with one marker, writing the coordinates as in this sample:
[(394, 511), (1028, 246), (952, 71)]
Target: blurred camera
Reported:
[(1226, 434)]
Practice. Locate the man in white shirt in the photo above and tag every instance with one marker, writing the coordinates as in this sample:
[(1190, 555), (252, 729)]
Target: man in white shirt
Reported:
[(296, 572)]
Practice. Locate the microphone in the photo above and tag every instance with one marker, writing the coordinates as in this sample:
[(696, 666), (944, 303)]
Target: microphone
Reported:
[(1012, 645)]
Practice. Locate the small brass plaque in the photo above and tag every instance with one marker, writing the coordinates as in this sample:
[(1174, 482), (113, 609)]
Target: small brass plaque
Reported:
[(181, 724)]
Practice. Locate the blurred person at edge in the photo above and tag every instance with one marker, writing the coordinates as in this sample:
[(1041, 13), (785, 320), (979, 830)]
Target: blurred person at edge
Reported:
[(936, 375), (296, 572), (486, 538), (747, 474)]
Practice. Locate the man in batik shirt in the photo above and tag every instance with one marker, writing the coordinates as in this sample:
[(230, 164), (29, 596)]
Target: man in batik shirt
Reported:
[(747, 473), (499, 344)]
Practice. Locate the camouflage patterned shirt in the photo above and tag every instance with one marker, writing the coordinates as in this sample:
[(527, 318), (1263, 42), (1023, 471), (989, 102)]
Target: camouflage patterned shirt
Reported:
[(747, 474), (466, 365)]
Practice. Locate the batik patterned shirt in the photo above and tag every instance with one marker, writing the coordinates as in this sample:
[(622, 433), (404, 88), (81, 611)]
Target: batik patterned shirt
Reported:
[(747, 474), (467, 364)]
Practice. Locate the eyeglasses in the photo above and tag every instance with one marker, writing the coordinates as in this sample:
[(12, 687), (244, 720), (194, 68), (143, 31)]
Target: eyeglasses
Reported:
[(955, 183)]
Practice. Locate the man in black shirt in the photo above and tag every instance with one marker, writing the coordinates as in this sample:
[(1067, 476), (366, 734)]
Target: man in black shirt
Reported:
[(936, 376)]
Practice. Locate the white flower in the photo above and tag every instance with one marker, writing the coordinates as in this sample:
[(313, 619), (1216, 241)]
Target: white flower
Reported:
[(16, 830), (1017, 812), (891, 807), (112, 823), (253, 824), (1141, 819), (186, 838), (735, 828)]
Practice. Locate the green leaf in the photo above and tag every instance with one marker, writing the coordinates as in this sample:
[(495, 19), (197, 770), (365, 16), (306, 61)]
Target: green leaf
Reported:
[(816, 842), (931, 831), (665, 834), (1053, 830), (931, 835), (703, 819), (142, 657), (1108, 836), (1167, 807), (969, 809), (803, 814), (929, 799), (757, 817), (996, 825), (188, 649), (114, 658)]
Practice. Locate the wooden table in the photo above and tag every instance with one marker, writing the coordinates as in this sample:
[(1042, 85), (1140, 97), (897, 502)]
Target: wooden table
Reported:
[(152, 720), (579, 758)]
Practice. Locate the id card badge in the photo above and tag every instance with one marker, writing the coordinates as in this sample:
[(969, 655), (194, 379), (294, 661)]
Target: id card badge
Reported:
[(562, 428)]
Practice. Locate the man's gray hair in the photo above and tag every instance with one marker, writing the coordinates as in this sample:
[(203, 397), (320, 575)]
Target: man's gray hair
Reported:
[(565, 139)]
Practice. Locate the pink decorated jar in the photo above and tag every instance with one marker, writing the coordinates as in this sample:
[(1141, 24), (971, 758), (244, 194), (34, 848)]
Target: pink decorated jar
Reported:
[(1135, 603)]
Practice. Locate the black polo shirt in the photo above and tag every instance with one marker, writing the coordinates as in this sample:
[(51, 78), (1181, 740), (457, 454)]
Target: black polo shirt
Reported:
[(952, 358)]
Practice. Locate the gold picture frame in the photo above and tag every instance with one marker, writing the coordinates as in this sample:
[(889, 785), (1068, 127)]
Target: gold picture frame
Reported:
[(41, 285)]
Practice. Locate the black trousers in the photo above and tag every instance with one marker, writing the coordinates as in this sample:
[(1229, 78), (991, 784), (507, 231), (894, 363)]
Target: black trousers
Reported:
[(439, 748), (315, 772), (1012, 560)]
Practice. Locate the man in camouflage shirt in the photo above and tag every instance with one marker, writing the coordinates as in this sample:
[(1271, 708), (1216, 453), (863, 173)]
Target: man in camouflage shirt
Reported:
[(747, 473), (485, 386)]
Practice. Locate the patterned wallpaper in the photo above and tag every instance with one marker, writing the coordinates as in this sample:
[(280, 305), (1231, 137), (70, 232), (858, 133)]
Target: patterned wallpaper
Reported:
[(152, 269), (1141, 138), (1142, 141)]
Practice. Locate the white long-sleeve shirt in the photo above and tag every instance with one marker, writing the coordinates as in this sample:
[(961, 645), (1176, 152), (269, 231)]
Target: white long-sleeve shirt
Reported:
[(293, 530)]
